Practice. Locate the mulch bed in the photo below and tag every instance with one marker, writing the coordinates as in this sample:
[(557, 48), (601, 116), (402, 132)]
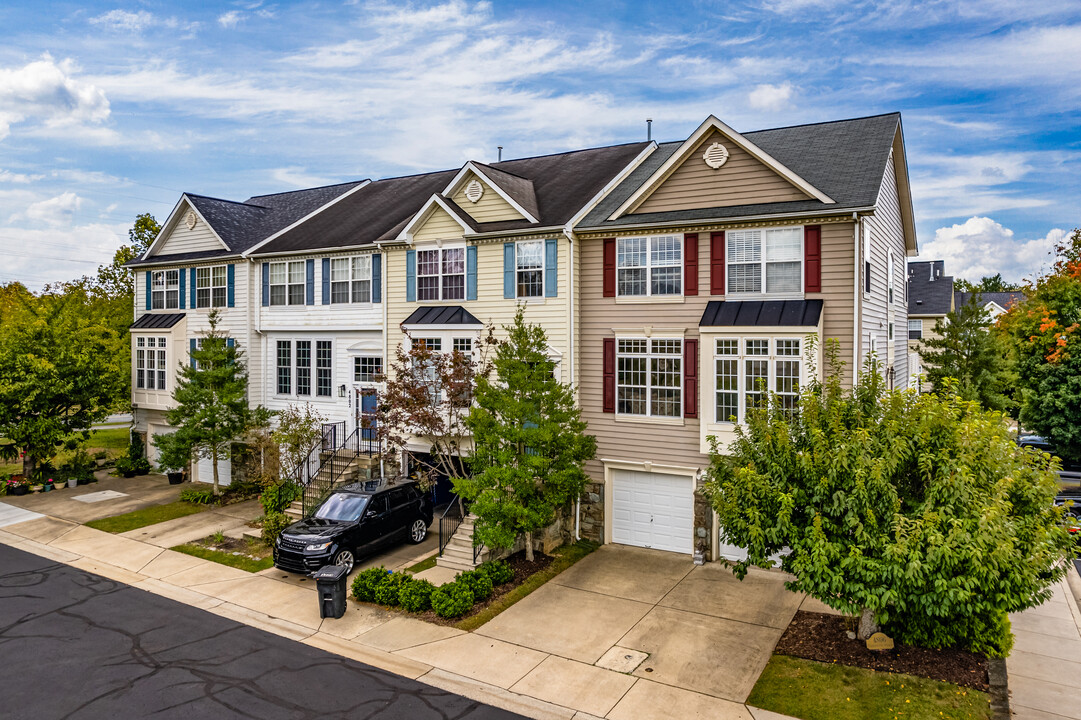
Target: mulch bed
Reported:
[(821, 637), (522, 568), (232, 545)]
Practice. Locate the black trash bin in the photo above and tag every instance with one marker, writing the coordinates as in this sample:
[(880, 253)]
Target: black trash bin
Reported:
[(330, 583)]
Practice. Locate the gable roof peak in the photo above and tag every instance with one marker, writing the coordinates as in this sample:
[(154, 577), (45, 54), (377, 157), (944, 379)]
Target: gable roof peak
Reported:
[(515, 189)]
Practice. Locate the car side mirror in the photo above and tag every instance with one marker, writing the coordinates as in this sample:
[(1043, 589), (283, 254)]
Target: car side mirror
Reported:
[(370, 514)]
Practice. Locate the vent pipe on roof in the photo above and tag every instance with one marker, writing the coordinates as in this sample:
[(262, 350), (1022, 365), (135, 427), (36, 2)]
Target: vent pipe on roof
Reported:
[(500, 148), (649, 129)]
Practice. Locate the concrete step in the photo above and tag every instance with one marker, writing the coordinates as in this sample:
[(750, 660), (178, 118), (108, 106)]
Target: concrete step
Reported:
[(454, 564)]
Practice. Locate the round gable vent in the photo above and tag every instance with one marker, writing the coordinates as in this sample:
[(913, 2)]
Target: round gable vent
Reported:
[(190, 219), (473, 191), (715, 155)]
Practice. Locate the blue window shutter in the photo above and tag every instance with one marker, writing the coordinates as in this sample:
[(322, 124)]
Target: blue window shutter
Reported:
[(148, 281), (230, 274), (191, 356), (471, 272), (182, 279), (309, 293), (410, 275), (551, 267), (230, 342), (326, 281), (377, 278), (508, 271), (191, 301), (266, 284)]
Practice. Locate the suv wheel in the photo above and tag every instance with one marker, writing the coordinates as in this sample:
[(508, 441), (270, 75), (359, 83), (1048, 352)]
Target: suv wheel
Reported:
[(344, 558), (418, 531)]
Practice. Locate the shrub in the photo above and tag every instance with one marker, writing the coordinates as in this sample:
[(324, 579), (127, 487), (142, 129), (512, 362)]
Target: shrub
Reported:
[(367, 581), (416, 595), (452, 600), (277, 497), (197, 496), (498, 571), (478, 581), (386, 593), (273, 524)]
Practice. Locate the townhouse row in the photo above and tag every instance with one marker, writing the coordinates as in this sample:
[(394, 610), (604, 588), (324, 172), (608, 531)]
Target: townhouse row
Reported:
[(672, 280)]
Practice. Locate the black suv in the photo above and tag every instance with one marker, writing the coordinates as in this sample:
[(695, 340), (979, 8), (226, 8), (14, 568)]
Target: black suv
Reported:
[(1069, 475), (355, 520)]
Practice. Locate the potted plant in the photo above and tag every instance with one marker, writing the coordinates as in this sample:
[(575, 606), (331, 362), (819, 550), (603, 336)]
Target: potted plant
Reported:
[(125, 467), (141, 465), (72, 482), (18, 485), (48, 485), (175, 476)]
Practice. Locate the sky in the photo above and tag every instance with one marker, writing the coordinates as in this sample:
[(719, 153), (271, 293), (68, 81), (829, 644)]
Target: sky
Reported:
[(111, 109)]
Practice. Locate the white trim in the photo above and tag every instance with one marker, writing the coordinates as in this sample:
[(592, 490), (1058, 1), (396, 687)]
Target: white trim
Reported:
[(648, 267), (454, 184), (690, 144), (612, 184), (726, 221), (406, 235), (171, 221), (610, 466), (543, 242), (764, 293), (442, 328), (313, 213)]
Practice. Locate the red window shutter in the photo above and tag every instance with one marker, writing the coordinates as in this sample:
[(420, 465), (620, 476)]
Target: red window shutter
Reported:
[(812, 258), (609, 268), (690, 264), (716, 263), (690, 378), (609, 375)]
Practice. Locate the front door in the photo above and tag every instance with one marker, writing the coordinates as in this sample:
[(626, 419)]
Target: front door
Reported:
[(367, 399)]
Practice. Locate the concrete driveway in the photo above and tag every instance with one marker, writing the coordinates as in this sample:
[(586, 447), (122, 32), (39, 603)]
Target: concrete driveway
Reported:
[(135, 494), (655, 615)]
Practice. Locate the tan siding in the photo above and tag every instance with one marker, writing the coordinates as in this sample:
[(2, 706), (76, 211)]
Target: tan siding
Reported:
[(838, 267), (181, 240), (490, 208), (741, 180), (438, 226)]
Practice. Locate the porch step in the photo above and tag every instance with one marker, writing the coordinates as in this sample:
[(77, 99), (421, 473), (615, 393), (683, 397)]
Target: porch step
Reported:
[(458, 554)]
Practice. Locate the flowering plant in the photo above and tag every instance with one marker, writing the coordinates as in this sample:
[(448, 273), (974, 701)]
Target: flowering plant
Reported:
[(17, 481)]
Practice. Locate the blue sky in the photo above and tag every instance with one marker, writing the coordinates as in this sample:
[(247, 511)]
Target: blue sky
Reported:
[(109, 109)]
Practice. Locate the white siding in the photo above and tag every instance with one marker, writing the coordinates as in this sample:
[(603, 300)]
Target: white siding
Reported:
[(179, 239)]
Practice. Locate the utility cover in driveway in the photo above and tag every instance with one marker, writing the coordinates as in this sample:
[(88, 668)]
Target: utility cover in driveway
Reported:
[(653, 510), (99, 496)]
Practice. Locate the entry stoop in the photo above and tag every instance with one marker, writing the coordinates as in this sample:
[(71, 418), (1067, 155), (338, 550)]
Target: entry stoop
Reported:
[(360, 468), (458, 554)]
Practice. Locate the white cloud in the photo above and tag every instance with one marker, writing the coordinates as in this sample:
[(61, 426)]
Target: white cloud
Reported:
[(980, 247), (230, 19), (124, 20), (770, 97), (35, 257), (298, 177), (49, 92), (6, 176), (949, 186), (59, 210)]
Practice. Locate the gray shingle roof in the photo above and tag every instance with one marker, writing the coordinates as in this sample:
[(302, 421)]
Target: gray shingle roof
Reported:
[(930, 289), (156, 321), (845, 159), (519, 188), (1002, 299), (761, 313)]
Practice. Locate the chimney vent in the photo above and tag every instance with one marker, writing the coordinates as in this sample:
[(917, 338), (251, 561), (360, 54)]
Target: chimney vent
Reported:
[(649, 129), (500, 148)]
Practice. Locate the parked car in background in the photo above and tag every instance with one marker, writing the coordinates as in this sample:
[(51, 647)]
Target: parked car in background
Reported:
[(355, 520), (1070, 474), (1072, 505)]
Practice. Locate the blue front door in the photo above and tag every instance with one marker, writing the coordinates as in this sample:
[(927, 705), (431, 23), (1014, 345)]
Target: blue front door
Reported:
[(366, 419)]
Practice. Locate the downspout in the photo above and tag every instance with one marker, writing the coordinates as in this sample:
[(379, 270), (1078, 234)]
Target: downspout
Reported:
[(857, 333), (570, 354), (386, 360)]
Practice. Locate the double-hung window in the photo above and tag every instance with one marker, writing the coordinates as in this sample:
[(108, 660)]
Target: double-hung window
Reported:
[(150, 365), (351, 279), (529, 268), (367, 368), (764, 260), (323, 370), (915, 329), (210, 286), (287, 283), (746, 370), (294, 367), (304, 367), (165, 290), (647, 266), (649, 377), (285, 367), (441, 274)]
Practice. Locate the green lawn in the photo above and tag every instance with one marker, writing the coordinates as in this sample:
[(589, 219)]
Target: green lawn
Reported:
[(113, 440), (225, 558), (146, 516), (423, 565), (816, 691)]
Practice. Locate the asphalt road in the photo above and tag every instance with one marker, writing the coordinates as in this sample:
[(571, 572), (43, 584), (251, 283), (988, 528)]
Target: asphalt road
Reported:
[(79, 646)]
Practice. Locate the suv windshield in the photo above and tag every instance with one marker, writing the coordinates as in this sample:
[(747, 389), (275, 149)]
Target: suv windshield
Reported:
[(342, 507)]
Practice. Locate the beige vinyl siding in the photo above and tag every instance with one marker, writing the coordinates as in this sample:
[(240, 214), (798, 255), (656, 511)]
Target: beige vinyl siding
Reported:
[(838, 267), (439, 226), (490, 208), (742, 180), (181, 240)]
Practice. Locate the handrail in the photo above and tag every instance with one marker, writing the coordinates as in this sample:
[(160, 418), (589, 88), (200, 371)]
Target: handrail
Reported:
[(448, 523), (309, 466), (333, 466), (478, 550)]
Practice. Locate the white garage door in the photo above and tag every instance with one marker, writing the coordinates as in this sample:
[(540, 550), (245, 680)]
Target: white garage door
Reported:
[(653, 510), (204, 471)]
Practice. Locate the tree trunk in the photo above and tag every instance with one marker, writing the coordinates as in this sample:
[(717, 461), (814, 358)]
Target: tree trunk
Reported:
[(868, 626), (28, 465), (529, 546), (214, 460)]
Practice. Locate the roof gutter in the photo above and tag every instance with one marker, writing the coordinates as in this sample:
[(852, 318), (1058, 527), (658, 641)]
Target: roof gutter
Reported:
[(868, 210), (191, 261)]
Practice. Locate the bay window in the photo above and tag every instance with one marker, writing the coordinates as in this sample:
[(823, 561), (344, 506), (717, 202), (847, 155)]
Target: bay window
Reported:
[(441, 274), (746, 370), (210, 286), (287, 283), (647, 266), (766, 260), (649, 377), (150, 363), (165, 290), (351, 279)]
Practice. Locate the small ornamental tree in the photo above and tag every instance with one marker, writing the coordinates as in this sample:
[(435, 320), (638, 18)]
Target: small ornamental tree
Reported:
[(918, 512), (428, 394), (211, 399), (529, 442), (300, 427)]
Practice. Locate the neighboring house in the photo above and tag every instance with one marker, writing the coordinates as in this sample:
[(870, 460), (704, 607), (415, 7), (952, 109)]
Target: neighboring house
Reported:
[(995, 303), (930, 298)]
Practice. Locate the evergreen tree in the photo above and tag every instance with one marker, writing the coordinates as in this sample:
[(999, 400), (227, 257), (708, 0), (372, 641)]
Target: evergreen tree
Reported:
[(529, 442), (211, 410)]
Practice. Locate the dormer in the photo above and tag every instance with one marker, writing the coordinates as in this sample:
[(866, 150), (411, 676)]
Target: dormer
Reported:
[(186, 230), (488, 194)]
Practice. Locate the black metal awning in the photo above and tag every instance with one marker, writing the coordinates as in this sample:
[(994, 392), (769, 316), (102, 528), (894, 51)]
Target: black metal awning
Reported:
[(761, 313), (156, 321), (441, 315)]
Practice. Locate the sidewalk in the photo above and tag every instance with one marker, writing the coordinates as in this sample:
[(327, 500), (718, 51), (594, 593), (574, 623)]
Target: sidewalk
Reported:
[(1045, 665)]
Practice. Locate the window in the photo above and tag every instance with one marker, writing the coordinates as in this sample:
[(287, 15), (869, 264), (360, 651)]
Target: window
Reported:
[(285, 367), (866, 259), (351, 279), (304, 367), (889, 282), (889, 336), (915, 329), (649, 377), (463, 345), (210, 286), (769, 260), (529, 259), (428, 373), (150, 364), (367, 369), (165, 290), (287, 283), (649, 266), (441, 274), (744, 379), (322, 368)]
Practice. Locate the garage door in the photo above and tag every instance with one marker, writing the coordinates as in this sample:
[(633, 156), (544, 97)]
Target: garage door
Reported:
[(653, 510), (204, 471)]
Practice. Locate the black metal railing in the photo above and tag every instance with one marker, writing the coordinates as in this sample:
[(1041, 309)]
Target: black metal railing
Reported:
[(309, 466), (335, 461), (478, 550), (333, 434), (448, 522)]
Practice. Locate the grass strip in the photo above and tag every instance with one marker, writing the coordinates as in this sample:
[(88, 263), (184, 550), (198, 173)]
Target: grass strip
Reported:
[(816, 691), (564, 558), (425, 564), (238, 561), (146, 516)]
